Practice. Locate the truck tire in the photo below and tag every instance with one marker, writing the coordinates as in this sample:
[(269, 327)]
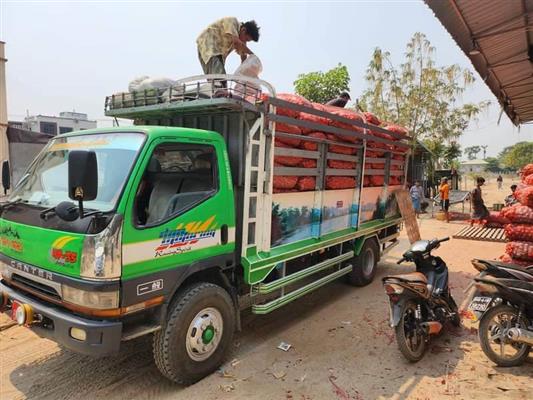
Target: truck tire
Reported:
[(364, 265), (197, 334)]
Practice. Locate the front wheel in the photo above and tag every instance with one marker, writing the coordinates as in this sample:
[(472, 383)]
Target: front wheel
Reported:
[(493, 339), (197, 334), (410, 336)]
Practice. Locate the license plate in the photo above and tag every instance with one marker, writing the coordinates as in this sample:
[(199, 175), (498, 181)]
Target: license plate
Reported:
[(480, 303)]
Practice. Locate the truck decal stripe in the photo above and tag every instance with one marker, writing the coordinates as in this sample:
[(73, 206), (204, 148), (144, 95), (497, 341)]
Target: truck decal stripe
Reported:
[(170, 243)]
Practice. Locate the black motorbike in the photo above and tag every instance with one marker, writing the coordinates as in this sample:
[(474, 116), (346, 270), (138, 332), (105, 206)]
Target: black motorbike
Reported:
[(506, 325), (477, 303), (420, 302)]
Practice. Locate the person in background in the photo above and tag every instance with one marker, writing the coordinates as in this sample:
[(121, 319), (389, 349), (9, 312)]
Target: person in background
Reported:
[(222, 37), (417, 194), (444, 191), (479, 210), (511, 199), (340, 101), (499, 179)]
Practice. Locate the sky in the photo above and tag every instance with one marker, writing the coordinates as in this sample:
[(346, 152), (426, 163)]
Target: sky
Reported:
[(68, 55)]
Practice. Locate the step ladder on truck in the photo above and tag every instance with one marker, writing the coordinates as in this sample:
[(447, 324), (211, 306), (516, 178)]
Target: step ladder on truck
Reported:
[(197, 226)]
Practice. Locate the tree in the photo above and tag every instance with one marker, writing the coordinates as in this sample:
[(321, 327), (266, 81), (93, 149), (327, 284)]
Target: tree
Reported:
[(452, 152), (472, 152), (515, 157), (321, 87), (419, 95), (493, 164)]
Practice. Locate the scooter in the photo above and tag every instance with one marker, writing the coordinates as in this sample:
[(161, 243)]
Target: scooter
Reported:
[(506, 327), (420, 302), (478, 304)]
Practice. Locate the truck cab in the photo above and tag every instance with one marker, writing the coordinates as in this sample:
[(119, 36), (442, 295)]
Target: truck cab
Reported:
[(173, 225)]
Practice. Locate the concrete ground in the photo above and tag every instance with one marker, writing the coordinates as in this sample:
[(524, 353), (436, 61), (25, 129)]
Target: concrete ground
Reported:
[(342, 348)]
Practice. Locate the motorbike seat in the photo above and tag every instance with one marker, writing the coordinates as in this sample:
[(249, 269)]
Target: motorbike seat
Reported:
[(411, 277)]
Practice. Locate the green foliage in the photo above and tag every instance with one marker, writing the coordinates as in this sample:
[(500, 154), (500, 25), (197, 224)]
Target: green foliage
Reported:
[(419, 95), (472, 152), (321, 87), (493, 164), (444, 154), (515, 157)]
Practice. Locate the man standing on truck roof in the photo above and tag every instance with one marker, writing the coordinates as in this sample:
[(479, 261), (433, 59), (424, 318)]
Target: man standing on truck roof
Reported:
[(221, 38), (340, 101)]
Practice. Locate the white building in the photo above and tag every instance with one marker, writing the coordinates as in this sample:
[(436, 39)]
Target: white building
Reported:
[(67, 121), (476, 166)]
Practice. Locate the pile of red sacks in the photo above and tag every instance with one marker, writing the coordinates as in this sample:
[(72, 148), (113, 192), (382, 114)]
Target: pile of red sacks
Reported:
[(307, 183), (519, 222)]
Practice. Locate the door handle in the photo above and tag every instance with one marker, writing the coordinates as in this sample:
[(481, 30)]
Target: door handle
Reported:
[(224, 234)]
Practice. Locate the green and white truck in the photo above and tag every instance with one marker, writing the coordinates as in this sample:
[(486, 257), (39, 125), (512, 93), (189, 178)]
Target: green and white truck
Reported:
[(171, 227)]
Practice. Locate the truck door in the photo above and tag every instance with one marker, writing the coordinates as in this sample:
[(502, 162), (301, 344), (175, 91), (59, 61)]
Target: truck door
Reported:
[(179, 219)]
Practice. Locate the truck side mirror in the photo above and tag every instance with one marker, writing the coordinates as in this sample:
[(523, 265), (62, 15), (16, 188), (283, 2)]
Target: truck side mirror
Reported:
[(6, 176), (82, 175)]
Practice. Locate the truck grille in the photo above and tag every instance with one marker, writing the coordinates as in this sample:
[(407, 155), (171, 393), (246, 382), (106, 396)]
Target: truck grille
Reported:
[(35, 286)]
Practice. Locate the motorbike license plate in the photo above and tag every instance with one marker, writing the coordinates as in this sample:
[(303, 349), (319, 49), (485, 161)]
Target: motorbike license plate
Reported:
[(480, 303)]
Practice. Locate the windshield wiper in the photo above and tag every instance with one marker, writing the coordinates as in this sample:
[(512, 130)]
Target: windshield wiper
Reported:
[(67, 212), (3, 206)]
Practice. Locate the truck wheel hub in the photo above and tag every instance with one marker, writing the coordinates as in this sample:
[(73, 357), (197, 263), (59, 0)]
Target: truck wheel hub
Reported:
[(204, 334)]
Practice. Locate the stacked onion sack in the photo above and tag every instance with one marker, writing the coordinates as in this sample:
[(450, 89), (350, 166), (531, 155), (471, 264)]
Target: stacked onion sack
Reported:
[(282, 184), (519, 229)]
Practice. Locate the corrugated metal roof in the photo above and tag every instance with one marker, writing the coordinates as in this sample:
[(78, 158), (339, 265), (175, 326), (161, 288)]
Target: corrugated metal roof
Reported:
[(502, 31)]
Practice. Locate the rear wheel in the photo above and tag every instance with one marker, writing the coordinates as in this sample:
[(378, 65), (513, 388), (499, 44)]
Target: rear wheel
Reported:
[(364, 265), (410, 337), (197, 335), (493, 339)]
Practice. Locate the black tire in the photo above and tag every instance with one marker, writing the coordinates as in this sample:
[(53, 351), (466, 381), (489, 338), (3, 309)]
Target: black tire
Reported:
[(364, 265), (402, 337), (173, 352), (485, 342)]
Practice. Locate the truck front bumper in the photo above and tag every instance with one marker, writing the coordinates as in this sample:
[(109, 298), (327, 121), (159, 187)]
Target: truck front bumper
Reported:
[(101, 337)]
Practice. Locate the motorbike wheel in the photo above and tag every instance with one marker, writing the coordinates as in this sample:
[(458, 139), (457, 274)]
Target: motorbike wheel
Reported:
[(493, 329), (411, 341)]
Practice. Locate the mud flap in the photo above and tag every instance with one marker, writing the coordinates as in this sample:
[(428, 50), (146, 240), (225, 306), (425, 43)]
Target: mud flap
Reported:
[(396, 313)]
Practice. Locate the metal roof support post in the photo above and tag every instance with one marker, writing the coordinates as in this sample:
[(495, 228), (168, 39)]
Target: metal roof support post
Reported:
[(4, 145)]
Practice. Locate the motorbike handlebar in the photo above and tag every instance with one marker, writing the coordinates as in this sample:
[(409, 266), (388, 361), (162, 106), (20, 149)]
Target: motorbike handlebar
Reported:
[(444, 239), (401, 260)]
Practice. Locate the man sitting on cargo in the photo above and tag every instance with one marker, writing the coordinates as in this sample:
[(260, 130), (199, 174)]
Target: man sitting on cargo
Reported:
[(340, 101), (221, 38)]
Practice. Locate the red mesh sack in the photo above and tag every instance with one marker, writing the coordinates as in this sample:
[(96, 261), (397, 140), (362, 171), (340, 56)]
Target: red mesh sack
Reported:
[(518, 214), (397, 157), (340, 182), (312, 146), (339, 149), (525, 195), (315, 118), (519, 232), (526, 171), (284, 182), (377, 180), (349, 114), (288, 161), (506, 258), (308, 163), (366, 181), (395, 180), (293, 98), (292, 129), (397, 129), (528, 180), (371, 118), (341, 164), (306, 183), (520, 250)]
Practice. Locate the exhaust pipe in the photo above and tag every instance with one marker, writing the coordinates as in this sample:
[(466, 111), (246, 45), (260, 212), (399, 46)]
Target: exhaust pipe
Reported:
[(432, 327), (520, 336)]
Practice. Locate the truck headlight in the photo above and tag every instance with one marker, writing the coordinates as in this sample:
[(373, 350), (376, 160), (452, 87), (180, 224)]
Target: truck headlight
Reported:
[(90, 299), (101, 257)]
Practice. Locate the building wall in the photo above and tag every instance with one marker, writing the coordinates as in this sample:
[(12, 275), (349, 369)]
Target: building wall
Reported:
[(465, 169), (57, 125)]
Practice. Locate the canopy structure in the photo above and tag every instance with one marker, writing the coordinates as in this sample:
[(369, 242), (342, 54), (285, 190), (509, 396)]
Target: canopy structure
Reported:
[(497, 36)]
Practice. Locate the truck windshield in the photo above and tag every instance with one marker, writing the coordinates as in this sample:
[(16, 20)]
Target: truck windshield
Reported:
[(46, 181)]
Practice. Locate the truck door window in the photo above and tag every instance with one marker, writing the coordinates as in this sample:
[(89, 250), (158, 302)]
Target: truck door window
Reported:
[(178, 177)]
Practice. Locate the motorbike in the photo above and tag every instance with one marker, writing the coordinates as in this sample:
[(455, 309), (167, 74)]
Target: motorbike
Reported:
[(506, 326), (420, 302), (478, 304)]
